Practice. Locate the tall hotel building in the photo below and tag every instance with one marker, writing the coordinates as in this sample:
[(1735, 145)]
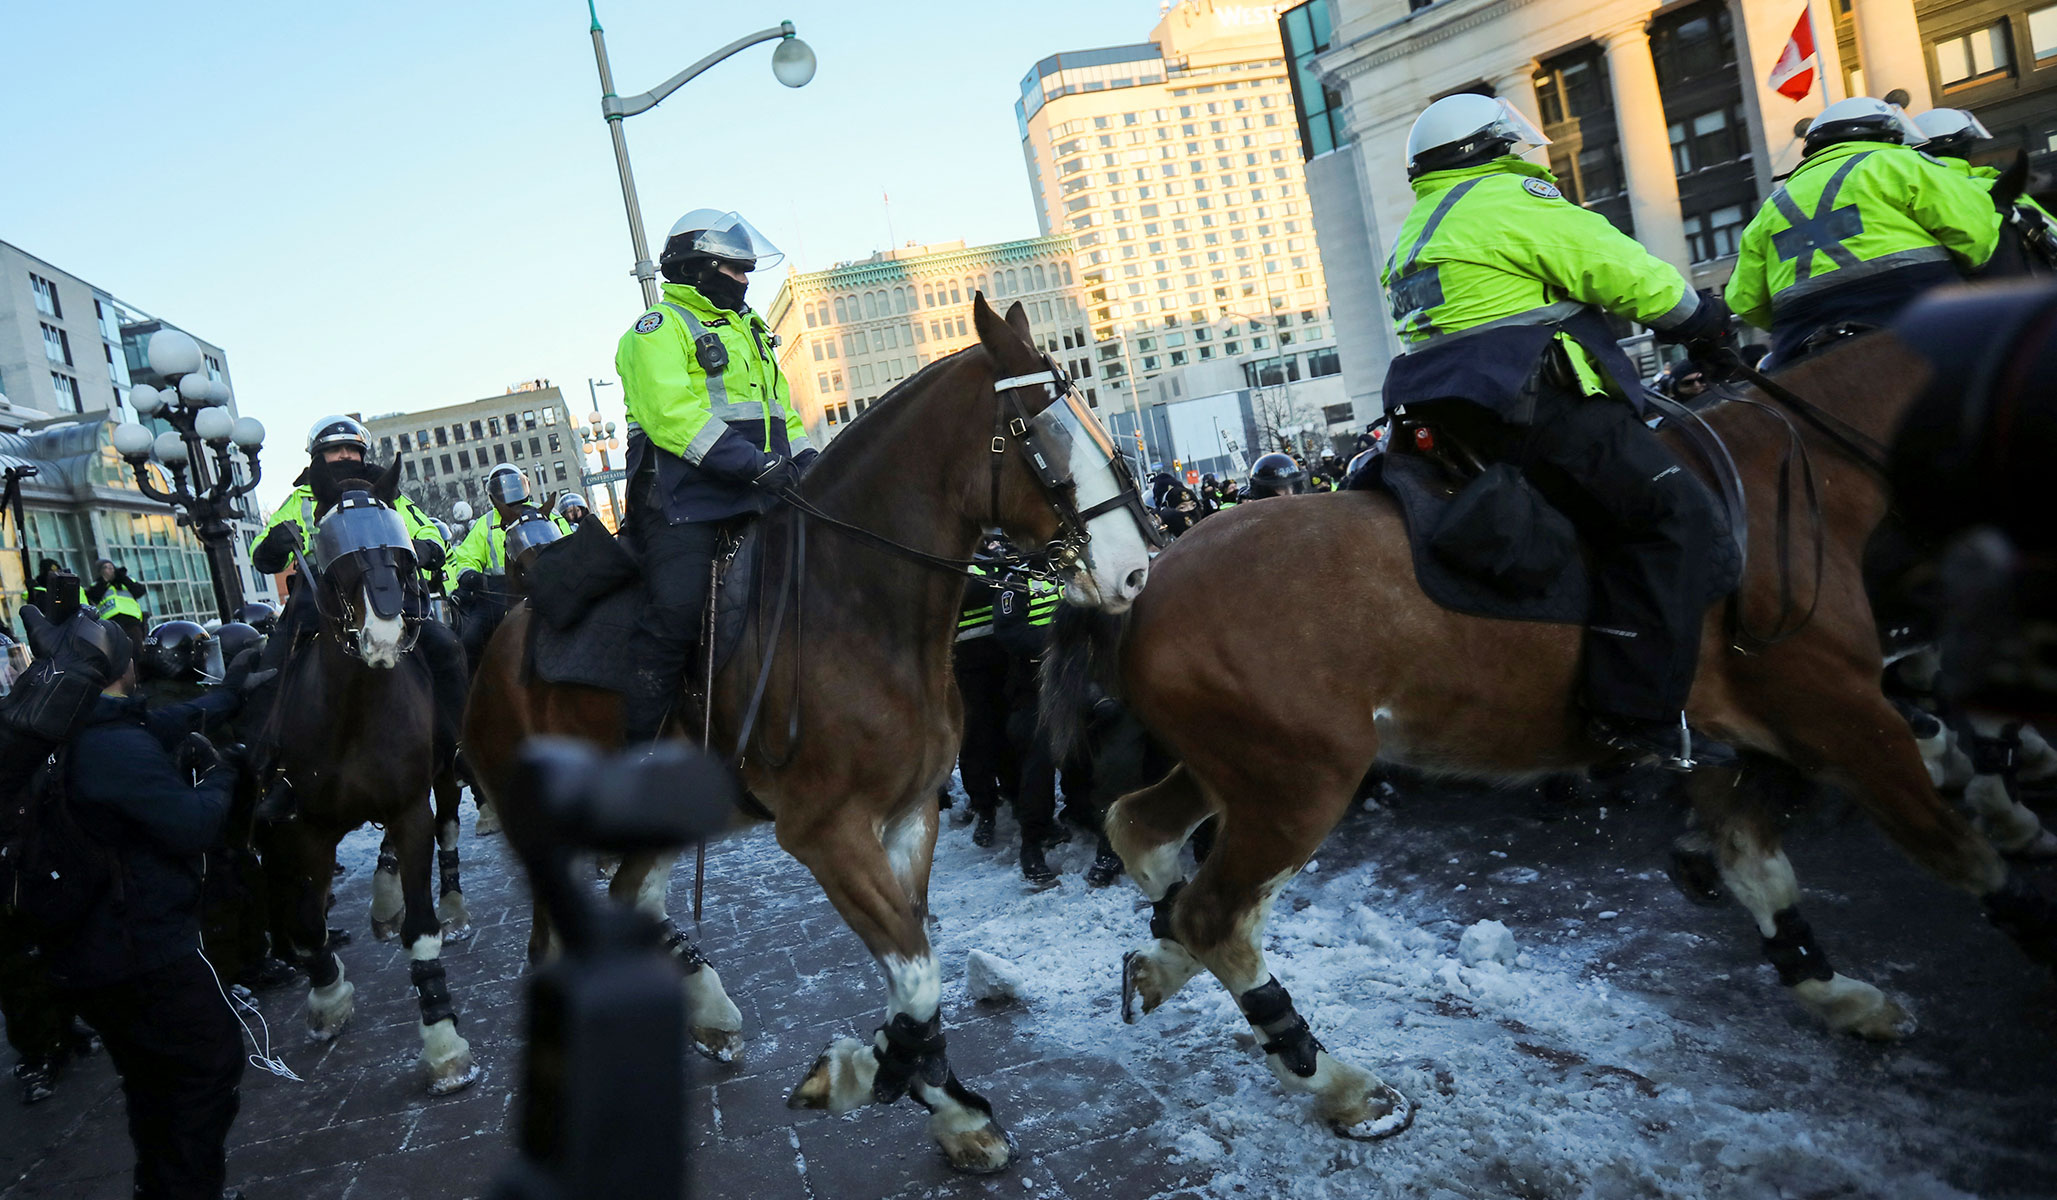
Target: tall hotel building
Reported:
[(1174, 167)]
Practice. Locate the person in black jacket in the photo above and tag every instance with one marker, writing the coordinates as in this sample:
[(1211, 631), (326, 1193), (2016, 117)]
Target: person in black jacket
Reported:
[(134, 971)]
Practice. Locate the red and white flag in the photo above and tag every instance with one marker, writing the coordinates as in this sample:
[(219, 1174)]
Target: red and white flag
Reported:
[(1792, 76)]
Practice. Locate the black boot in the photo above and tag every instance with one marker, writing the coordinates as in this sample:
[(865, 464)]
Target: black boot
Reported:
[(38, 1078), (982, 833), (645, 704), (1106, 867), (1034, 867), (279, 805)]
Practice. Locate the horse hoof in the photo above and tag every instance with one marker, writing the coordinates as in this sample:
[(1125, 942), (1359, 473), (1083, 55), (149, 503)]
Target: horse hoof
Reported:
[(724, 1046), (329, 1009), (457, 933), (444, 1084), (1856, 1008), (981, 1151), (488, 823), (2040, 848), (1398, 1114), (1694, 870), (840, 1080), (385, 931)]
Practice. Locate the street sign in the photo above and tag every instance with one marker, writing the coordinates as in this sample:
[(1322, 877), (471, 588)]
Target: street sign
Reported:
[(606, 476)]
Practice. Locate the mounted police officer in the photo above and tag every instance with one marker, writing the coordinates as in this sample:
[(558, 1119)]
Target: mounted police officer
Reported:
[(571, 509), (337, 448), (1953, 134), (1863, 225), (712, 438), (479, 564), (1500, 289)]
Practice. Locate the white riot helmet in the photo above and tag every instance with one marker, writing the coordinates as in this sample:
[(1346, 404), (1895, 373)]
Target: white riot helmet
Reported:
[(1466, 129), (505, 484), (1862, 119), (569, 501), (710, 233), (338, 430), (1951, 132)]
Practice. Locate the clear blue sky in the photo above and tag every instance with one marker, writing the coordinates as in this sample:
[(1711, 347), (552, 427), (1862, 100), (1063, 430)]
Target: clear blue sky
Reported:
[(383, 206)]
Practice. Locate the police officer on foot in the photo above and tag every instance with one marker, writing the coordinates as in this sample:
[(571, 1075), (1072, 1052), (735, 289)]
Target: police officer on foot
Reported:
[(712, 439), (1500, 289), (1861, 227), (571, 509), (1275, 474), (116, 597)]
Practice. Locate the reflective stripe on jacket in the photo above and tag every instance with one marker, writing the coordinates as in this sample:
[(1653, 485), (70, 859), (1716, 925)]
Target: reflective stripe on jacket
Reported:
[(1854, 213), (483, 549), (712, 424)]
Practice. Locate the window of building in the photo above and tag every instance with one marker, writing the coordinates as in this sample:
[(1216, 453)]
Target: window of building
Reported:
[(442, 435), (1974, 57), (386, 448), (421, 438), (447, 468), (478, 432), (1714, 234), (57, 345), (464, 460), (843, 410), (536, 447), (555, 447), (494, 424), (1323, 362), (549, 417), (1692, 44), (406, 443), (821, 382), (2042, 32), (67, 392), (516, 443), (562, 474), (528, 418), (46, 296)]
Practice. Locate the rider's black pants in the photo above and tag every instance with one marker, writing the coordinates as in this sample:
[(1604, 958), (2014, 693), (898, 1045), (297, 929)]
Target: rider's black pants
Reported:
[(180, 1054), (675, 560), (443, 651), (985, 759), (1650, 523), (1035, 796)]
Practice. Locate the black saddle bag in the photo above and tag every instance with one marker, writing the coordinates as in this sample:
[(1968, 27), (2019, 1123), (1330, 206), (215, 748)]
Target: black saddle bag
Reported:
[(571, 574), (1500, 529)]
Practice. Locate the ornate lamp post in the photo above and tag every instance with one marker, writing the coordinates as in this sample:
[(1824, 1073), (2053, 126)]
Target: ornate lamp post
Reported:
[(200, 427), (598, 437)]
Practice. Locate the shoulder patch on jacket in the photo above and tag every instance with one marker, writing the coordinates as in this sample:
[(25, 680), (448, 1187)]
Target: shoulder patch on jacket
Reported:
[(650, 322), (1541, 189)]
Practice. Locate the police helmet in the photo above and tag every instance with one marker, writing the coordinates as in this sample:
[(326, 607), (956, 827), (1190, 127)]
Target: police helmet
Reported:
[(1862, 119), (1467, 129), (505, 484), (709, 233), (258, 615), (175, 650), (442, 528), (236, 637), (1208, 480), (1951, 132), (569, 501), (338, 430), (1276, 474)]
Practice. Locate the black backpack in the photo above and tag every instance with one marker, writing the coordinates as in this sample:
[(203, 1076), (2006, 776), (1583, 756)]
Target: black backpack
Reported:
[(52, 874)]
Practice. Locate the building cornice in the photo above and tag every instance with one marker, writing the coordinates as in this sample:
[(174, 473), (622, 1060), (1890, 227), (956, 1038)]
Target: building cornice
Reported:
[(1410, 34), (942, 262)]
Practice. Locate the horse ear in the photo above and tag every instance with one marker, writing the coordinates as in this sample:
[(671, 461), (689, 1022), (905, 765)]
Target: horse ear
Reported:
[(1017, 319), (387, 486), (1010, 350)]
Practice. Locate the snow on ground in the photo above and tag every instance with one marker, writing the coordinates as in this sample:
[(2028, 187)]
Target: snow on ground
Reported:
[(1534, 1078)]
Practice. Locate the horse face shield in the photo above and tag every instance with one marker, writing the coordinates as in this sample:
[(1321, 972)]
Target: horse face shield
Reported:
[(366, 562), (1110, 534)]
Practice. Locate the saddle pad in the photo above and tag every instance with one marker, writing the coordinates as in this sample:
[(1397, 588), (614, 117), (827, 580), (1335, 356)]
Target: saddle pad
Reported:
[(1424, 490), (601, 651)]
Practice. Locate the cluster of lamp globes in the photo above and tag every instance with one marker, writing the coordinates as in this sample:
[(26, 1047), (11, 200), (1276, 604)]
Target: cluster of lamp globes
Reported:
[(599, 435), (176, 357)]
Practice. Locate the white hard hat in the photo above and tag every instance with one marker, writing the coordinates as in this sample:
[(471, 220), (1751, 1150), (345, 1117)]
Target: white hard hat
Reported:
[(1467, 127), (505, 484), (337, 430), (1862, 118), (1951, 129), (571, 500), (726, 236)]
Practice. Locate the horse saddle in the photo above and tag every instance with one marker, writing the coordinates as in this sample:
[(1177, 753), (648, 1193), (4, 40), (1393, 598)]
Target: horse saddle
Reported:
[(1487, 544), (597, 646)]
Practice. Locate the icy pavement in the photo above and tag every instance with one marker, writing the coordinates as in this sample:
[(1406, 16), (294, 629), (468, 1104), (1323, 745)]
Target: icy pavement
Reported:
[(1634, 1046)]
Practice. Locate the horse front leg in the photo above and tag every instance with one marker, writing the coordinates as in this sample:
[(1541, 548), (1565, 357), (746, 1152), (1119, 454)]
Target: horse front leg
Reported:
[(1147, 828), (717, 1024), (444, 1052), (388, 900), (877, 879), (301, 877), (450, 909)]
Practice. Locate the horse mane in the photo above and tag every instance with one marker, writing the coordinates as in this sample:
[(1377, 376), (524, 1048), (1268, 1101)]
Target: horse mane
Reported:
[(896, 392)]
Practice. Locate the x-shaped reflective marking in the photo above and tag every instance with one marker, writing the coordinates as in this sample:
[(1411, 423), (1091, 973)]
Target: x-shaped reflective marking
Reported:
[(1825, 231)]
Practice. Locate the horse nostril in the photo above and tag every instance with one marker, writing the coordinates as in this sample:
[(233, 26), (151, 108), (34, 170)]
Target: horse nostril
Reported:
[(1135, 580)]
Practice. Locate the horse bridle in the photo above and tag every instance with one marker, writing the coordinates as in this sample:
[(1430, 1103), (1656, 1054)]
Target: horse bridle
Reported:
[(411, 616)]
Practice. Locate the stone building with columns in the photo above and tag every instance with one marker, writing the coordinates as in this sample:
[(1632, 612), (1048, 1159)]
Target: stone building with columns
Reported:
[(1663, 117)]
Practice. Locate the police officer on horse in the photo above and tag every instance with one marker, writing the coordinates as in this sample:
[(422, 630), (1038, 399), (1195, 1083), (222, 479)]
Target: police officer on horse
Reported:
[(1500, 289), (337, 449), (712, 438)]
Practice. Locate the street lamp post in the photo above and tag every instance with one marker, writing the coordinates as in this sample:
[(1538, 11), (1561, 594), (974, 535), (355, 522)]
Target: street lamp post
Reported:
[(792, 63), (598, 437), (200, 425)]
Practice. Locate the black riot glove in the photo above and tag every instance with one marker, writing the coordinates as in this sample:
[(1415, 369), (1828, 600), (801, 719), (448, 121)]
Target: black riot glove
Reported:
[(779, 473), (427, 554), (468, 584), (196, 754), (1707, 323), (242, 676), (276, 550), (805, 459)]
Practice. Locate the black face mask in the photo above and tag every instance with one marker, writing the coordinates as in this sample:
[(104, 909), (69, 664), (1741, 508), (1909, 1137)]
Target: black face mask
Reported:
[(721, 290), (325, 478)]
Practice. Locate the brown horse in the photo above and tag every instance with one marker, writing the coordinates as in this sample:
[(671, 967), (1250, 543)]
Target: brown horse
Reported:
[(861, 670), (355, 727), (1397, 678)]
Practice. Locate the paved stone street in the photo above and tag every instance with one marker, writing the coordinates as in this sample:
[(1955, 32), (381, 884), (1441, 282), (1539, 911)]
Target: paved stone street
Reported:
[(1103, 1111)]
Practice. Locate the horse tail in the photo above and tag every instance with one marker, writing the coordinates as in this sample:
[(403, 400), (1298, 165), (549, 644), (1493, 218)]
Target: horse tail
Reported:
[(1080, 669)]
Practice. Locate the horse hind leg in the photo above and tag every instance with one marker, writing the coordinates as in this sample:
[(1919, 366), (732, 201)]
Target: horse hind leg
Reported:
[(1147, 829), (1735, 808), (444, 1052), (388, 902), (866, 873), (716, 1023), (1220, 918), (450, 906), (1993, 795)]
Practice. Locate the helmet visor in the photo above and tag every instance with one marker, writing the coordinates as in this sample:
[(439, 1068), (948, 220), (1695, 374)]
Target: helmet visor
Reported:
[(507, 487), (1518, 129), (365, 526), (732, 239), (1910, 133)]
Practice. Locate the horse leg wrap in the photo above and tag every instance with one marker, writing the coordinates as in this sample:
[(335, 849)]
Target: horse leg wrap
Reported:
[(1792, 951), (446, 867), (681, 948), (1160, 912), (1270, 1009), (432, 989), (321, 966), (962, 1095), (913, 1050), (1999, 755)]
